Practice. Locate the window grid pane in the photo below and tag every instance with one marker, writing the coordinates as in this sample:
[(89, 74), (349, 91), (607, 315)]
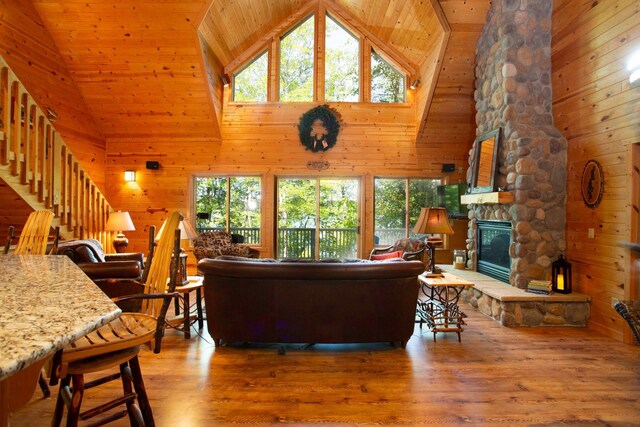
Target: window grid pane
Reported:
[(387, 83), (342, 65), (250, 84), (296, 63)]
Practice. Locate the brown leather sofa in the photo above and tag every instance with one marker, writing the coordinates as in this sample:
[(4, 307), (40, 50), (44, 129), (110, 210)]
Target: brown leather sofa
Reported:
[(310, 302), (90, 257)]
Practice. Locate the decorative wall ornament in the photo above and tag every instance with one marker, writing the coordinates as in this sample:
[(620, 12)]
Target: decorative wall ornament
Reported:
[(319, 165), (318, 128), (592, 184)]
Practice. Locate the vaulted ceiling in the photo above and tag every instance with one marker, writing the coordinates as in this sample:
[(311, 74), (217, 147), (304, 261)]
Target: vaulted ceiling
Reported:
[(139, 65)]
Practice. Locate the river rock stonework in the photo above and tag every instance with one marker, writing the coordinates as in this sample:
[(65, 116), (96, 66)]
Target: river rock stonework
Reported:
[(513, 91)]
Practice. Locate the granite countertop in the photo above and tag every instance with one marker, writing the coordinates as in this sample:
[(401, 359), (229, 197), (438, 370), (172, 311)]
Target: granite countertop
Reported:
[(46, 303)]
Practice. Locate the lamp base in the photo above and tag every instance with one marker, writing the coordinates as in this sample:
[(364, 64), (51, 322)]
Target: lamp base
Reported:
[(120, 243)]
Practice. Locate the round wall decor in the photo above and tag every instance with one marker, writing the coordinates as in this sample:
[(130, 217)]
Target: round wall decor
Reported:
[(592, 184), (318, 128)]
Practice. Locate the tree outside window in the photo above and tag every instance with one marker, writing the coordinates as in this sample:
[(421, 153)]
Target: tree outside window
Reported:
[(232, 204), (342, 65), (397, 203), (387, 83), (250, 84), (296, 63)]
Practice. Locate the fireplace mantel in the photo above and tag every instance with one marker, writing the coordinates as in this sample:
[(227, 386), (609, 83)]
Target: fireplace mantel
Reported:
[(487, 198)]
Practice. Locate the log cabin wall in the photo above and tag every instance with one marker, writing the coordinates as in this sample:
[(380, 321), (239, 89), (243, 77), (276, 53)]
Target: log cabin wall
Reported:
[(32, 54), (597, 111), (375, 140)]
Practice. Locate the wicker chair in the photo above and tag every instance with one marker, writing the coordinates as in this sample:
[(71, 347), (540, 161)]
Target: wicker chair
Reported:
[(630, 311)]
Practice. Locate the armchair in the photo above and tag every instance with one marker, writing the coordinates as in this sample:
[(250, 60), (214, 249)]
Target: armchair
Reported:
[(411, 249), (100, 267), (211, 244)]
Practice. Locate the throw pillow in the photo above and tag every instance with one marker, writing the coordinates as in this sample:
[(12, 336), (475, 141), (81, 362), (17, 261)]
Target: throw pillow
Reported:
[(388, 255)]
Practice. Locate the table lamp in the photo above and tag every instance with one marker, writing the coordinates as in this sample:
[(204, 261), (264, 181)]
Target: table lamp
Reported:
[(433, 221), (186, 233), (119, 222)]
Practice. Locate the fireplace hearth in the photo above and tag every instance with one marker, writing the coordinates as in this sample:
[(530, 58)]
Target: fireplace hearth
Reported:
[(494, 239)]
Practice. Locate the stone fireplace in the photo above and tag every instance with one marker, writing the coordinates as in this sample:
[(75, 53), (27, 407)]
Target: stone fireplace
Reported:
[(494, 239), (513, 91)]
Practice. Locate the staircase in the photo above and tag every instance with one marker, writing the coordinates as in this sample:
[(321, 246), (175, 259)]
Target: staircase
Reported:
[(37, 164)]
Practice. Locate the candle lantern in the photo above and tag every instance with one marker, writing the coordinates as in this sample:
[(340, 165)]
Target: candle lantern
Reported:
[(561, 275)]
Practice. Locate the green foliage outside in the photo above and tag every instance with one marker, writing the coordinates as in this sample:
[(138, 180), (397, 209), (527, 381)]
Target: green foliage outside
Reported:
[(250, 84), (342, 65), (296, 63), (243, 200), (387, 83)]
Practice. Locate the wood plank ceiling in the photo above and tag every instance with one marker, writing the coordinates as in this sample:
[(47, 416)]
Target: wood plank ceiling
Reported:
[(137, 64)]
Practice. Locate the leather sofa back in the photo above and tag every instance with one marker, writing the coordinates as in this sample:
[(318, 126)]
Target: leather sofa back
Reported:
[(310, 302)]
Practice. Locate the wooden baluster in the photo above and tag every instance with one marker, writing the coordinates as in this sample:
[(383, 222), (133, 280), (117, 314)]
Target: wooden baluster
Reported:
[(64, 185), (43, 192), (14, 140), (73, 202), (56, 182), (5, 114), (82, 204)]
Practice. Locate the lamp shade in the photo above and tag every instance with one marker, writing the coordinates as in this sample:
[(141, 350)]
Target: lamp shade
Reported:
[(433, 221), (119, 221)]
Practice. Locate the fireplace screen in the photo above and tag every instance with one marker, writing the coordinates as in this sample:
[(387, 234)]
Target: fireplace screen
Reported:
[(494, 239)]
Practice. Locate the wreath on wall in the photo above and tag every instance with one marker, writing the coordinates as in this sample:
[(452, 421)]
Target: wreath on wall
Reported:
[(318, 128)]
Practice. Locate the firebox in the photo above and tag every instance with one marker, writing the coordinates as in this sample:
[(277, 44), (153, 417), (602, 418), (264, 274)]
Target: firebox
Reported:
[(494, 239)]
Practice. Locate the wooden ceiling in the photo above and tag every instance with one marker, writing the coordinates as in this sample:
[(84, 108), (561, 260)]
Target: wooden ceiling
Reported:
[(137, 63), (231, 27), (139, 66)]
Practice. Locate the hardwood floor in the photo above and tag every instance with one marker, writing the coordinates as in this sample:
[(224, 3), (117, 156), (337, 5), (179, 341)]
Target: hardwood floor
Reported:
[(496, 376)]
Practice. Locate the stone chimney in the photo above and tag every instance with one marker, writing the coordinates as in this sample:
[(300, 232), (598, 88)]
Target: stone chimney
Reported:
[(513, 91)]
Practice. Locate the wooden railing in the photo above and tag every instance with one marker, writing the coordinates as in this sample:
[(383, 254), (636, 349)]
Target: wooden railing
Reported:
[(34, 156)]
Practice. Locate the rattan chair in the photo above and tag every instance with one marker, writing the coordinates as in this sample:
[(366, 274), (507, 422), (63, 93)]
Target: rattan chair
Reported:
[(117, 344)]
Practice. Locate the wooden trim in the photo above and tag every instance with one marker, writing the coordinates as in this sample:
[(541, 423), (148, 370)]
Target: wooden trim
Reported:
[(217, 121), (365, 69), (421, 124), (632, 291), (319, 56)]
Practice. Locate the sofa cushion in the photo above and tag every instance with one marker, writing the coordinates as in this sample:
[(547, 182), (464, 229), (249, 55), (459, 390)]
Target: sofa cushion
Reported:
[(388, 255)]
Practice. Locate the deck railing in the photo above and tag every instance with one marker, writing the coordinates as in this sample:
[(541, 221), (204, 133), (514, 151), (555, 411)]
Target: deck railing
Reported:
[(34, 155)]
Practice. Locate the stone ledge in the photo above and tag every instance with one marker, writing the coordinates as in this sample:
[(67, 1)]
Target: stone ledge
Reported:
[(514, 307)]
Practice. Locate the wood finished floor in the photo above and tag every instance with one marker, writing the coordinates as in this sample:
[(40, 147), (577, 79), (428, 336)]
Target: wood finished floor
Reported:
[(496, 376)]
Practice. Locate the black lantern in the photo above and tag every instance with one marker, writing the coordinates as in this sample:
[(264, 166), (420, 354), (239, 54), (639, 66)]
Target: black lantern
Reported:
[(561, 275)]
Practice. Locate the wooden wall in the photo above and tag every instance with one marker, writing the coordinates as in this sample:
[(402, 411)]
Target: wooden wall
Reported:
[(15, 211), (375, 140), (597, 111), (33, 56)]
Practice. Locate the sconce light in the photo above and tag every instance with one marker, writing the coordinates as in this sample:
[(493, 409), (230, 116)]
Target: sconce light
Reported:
[(561, 275), (130, 176), (415, 84), (52, 116), (225, 80), (634, 67)]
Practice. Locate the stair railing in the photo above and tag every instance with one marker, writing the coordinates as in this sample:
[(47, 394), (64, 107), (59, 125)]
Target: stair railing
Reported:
[(34, 155)]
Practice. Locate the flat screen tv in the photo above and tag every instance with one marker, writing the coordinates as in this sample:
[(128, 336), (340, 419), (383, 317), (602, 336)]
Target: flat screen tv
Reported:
[(448, 197)]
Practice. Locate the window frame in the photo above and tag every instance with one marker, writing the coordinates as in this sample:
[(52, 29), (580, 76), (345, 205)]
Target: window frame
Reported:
[(228, 177), (246, 65), (367, 43), (358, 37), (408, 226), (312, 16)]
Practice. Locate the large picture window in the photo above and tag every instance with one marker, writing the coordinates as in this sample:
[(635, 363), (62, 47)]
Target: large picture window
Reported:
[(296, 63), (229, 203), (397, 206), (342, 65)]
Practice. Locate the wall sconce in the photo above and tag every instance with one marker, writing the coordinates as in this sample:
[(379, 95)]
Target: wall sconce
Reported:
[(52, 116), (225, 80), (634, 67), (415, 84), (561, 275), (130, 176)]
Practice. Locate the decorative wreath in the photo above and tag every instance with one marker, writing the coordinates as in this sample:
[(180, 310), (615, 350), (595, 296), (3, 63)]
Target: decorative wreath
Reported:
[(318, 128)]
